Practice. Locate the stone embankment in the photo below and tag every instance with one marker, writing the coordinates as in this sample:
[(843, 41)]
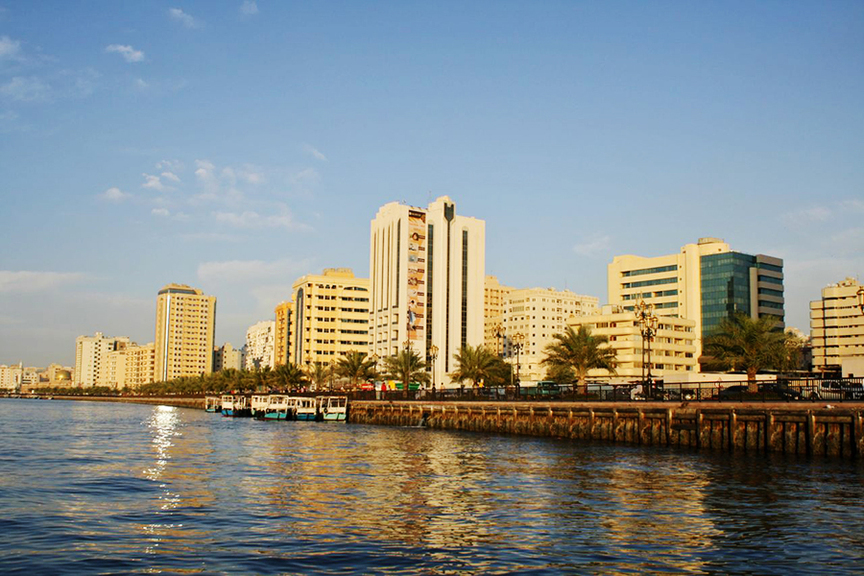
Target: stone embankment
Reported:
[(794, 428), (178, 401)]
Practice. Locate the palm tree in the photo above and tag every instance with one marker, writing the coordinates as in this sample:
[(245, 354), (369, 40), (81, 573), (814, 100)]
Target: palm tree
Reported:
[(287, 376), (753, 345), (318, 373), (475, 363), (581, 351), (406, 366), (355, 366)]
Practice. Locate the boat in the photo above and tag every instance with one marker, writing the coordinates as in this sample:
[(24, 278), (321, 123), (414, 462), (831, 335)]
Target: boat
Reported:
[(333, 408), (279, 407), (259, 404), (212, 404), (235, 406), (305, 408)]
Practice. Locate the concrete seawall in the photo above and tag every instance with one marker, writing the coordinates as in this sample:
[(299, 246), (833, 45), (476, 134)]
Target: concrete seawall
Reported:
[(811, 429), (179, 402)]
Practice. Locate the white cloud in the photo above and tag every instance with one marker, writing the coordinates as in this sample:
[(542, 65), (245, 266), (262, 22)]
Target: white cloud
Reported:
[(315, 152), (114, 194), (9, 49), (152, 182), (204, 170), (141, 83), (170, 176), (26, 89), (164, 212), (852, 206), (244, 271), (183, 18), (806, 215), (172, 165), (129, 54), (28, 281), (249, 8), (252, 219), (592, 247)]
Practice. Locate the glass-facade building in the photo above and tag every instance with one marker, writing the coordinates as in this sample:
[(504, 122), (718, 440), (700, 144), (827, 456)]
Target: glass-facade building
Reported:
[(732, 283)]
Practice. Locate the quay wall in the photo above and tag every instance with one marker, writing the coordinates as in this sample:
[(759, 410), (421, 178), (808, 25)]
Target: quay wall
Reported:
[(810, 429), (178, 401)]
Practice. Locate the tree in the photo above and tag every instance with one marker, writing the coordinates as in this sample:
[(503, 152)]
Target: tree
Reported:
[(319, 374), (475, 363), (406, 366), (356, 367), (747, 344), (561, 373), (581, 351), (287, 377)]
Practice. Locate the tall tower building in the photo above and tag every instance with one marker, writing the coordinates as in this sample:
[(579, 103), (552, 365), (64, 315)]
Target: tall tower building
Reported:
[(185, 328), (427, 278), (331, 317), (283, 331), (704, 282), (91, 358)]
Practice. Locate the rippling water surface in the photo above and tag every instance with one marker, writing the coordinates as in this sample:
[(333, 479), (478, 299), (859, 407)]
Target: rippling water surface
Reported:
[(116, 488)]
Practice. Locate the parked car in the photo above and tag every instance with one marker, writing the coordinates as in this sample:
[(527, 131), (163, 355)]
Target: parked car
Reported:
[(837, 390), (767, 390)]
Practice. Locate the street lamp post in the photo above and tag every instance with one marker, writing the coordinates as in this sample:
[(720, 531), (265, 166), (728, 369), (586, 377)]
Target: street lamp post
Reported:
[(499, 334), (648, 323), (518, 340), (433, 354)]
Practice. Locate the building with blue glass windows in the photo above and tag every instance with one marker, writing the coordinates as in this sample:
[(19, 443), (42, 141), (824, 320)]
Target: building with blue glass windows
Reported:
[(705, 282)]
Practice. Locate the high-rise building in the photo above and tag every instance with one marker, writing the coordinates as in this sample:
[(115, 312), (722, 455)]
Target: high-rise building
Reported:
[(226, 357), (330, 318), (259, 345), (837, 329), (532, 317), (11, 377), (91, 358), (140, 364), (494, 296), (283, 332), (427, 279), (705, 282), (673, 349), (185, 327)]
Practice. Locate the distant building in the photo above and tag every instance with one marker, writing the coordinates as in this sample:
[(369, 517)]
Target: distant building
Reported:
[(259, 345), (140, 365), (283, 333), (837, 329), (705, 282), (10, 377), (536, 315), (185, 328), (673, 349), (330, 318), (226, 357), (427, 280), (91, 358), (494, 298)]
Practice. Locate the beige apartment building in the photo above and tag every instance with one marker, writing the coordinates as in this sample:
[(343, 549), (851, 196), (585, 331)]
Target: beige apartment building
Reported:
[(283, 331), (837, 329), (91, 359), (705, 282), (185, 328), (494, 300), (131, 366), (331, 317), (226, 357), (673, 349), (533, 316), (11, 377)]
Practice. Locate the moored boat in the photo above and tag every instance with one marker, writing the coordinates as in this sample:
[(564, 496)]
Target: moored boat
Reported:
[(305, 408), (259, 404), (212, 404), (278, 408), (235, 406), (333, 408)]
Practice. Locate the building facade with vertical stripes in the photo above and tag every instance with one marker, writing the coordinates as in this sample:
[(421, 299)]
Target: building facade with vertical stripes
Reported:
[(427, 271), (185, 330)]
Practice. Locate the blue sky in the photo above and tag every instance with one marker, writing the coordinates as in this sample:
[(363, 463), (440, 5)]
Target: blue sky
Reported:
[(235, 146)]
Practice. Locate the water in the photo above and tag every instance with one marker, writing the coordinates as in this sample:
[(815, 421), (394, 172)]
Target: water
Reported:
[(116, 488)]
